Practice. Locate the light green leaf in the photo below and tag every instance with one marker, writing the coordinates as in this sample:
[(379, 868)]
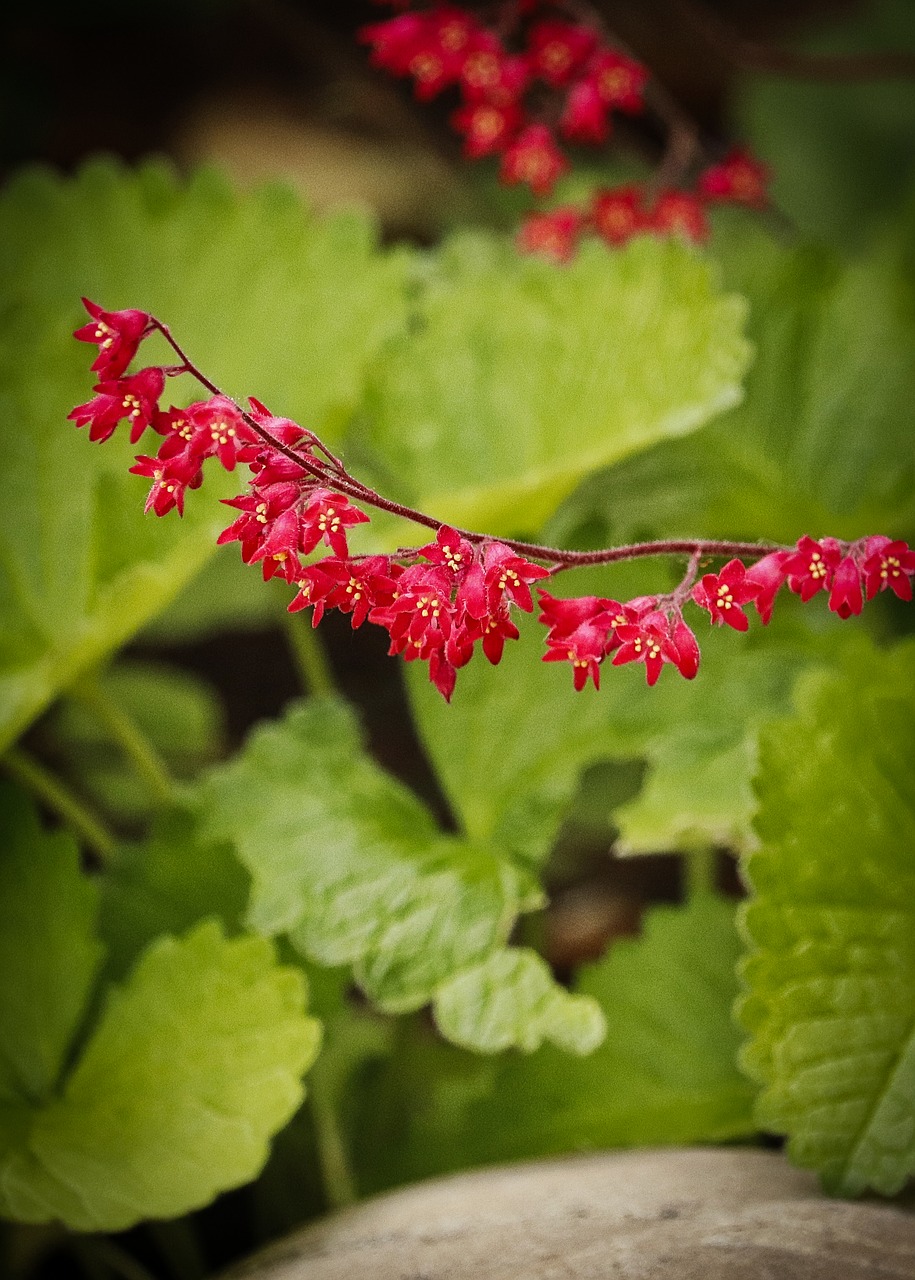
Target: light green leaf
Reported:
[(831, 978), (511, 1000), (268, 300), (351, 865), (168, 1094), (195, 1063), (665, 1073), (822, 442), (518, 379), (48, 956), (511, 746)]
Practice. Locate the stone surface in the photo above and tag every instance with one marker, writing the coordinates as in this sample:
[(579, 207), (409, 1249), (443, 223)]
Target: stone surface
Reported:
[(714, 1214)]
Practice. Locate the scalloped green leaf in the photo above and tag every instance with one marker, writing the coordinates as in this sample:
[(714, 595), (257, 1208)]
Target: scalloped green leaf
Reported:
[(831, 922), (267, 299), (146, 1100), (517, 379), (666, 1072), (350, 865)]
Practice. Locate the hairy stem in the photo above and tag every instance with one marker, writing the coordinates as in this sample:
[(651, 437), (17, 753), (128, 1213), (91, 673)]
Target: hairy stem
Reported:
[(337, 1177), (333, 475), (50, 791), (127, 734)]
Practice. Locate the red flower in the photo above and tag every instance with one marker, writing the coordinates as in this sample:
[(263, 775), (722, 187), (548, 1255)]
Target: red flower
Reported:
[(648, 641), (724, 594), (585, 117), (489, 75), (212, 428), (171, 480), (554, 234), (768, 574), (325, 518), (618, 215), (487, 129), (845, 597), (558, 50), (535, 159), (396, 41), (118, 335), (810, 569), (450, 551), (687, 646), (135, 398), (618, 80), (738, 177), (679, 212), (585, 647), (888, 565), (419, 618), (259, 511), (352, 586), (506, 577)]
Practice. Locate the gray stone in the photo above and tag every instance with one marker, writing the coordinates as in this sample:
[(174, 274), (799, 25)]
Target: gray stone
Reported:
[(706, 1214)]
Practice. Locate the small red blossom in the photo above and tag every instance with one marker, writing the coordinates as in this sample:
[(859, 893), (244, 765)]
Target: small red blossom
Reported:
[(450, 551), (585, 117), (171, 480), (558, 50), (212, 428), (135, 398), (845, 596), (648, 641), (888, 566), (739, 178), (681, 213), (534, 158), (506, 577), (724, 594), (396, 41), (618, 215), (325, 518), (769, 575), (118, 335), (687, 647), (554, 234), (618, 80), (352, 586), (487, 128), (811, 567), (490, 75), (259, 510)]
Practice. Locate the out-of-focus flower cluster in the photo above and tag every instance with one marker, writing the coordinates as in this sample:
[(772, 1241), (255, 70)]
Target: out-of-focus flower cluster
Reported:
[(533, 81)]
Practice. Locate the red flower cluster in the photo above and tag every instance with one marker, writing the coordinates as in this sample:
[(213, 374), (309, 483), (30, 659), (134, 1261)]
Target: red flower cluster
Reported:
[(536, 80), (438, 601)]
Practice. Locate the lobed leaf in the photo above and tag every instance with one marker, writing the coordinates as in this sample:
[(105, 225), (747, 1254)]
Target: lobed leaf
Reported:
[(831, 976), (149, 1101), (351, 865)]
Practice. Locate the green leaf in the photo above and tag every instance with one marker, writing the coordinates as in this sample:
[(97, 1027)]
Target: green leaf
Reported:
[(351, 865), (822, 442), (48, 956), (666, 1072), (511, 1000), (166, 1096), (80, 569), (831, 977), (511, 746), (518, 379)]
